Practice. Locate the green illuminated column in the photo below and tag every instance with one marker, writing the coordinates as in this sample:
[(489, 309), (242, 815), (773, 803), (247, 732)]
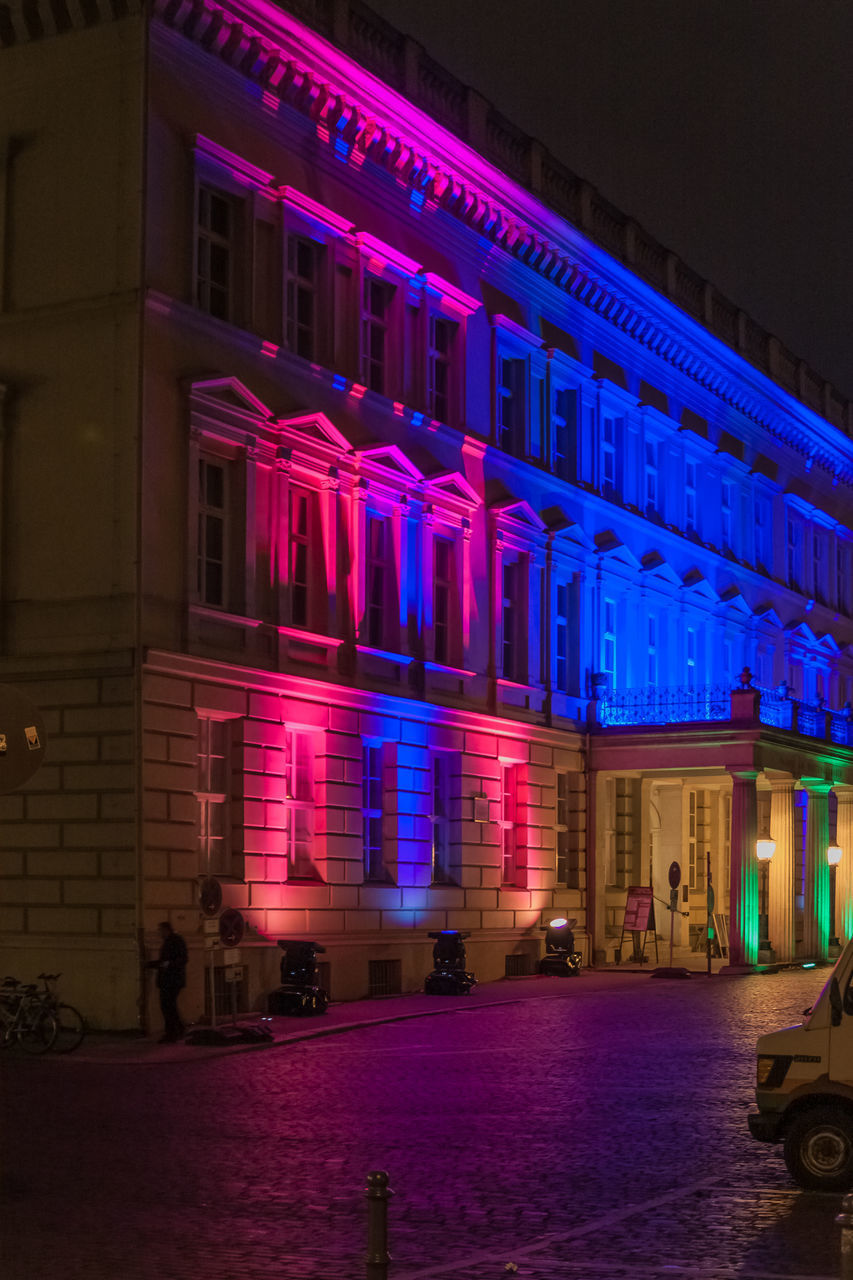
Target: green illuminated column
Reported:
[(743, 889), (781, 905), (816, 902), (844, 872)]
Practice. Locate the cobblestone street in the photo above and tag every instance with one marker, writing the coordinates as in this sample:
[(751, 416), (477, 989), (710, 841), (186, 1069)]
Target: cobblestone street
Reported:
[(597, 1133)]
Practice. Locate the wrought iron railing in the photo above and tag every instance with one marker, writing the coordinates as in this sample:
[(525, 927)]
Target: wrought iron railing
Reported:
[(664, 705), (777, 708)]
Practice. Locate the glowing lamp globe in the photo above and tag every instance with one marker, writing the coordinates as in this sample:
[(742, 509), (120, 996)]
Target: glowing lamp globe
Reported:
[(764, 850), (833, 855)]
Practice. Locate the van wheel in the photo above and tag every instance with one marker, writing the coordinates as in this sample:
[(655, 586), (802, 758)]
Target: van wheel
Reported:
[(819, 1149)]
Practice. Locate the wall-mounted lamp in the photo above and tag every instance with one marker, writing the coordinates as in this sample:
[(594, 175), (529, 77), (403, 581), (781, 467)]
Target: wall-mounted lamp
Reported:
[(833, 854), (764, 849)]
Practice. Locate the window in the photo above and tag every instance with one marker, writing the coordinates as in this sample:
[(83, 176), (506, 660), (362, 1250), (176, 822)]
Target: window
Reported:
[(564, 434), (652, 665), (728, 664), (509, 864), (691, 657), (512, 659), (213, 793), (690, 497), (443, 599), (440, 819), (609, 440), (727, 498), (377, 299), (372, 797), (299, 804), (378, 579), (511, 406), (819, 565), (561, 666), (300, 545), (442, 333), (216, 241), (302, 290), (211, 566), (608, 648), (651, 493), (842, 598), (794, 553), (562, 828), (761, 525)]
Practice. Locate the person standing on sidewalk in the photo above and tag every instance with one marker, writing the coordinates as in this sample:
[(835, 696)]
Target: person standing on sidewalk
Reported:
[(171, 966)]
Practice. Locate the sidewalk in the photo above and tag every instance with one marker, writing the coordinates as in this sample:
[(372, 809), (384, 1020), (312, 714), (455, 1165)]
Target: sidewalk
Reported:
[(133, 1050)]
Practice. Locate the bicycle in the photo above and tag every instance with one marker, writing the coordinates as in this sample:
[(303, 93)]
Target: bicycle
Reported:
[(70, 1025), (25, 1018)]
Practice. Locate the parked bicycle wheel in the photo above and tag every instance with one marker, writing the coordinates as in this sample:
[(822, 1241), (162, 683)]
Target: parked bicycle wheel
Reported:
[(37, 1030), (70, 1029)]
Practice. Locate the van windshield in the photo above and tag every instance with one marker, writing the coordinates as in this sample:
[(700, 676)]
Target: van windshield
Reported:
[(824, 991)]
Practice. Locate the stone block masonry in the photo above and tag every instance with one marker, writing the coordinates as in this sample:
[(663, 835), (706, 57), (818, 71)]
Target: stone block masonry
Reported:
[(68, 847)]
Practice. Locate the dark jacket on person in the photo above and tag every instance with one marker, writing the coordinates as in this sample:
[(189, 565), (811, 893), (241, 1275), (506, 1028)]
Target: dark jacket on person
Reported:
[(172, 962)]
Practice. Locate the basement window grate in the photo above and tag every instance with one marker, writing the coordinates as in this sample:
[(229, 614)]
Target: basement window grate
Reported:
[(384, 977), (517, 966)]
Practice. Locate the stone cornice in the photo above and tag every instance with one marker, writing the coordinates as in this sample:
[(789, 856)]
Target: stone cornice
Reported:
[(519, 209), (305, 71)]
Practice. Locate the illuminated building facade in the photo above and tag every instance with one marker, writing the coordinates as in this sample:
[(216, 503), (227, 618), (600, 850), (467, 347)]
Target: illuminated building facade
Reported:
[(388, 520)]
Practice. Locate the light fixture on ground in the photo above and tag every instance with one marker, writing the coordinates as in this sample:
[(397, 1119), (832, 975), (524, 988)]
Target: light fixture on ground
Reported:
[(834, 854), (560, 957), (764, 850)]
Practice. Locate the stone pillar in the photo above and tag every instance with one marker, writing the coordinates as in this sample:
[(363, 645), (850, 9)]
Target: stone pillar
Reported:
[(816, 899), (743, 888), (781, 886), (844, 871)]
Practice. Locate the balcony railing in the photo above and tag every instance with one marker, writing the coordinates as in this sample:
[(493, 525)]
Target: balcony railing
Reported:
[(777, 708), (664, 705)]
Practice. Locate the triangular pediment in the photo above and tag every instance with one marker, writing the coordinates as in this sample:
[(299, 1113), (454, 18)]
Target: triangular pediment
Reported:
[(453, 485), (609, 545), (828, 642), (699, 586), (733, 599), (230, 393), (766, 613), (390, 458), (655, 566), (564, 529), (317, 427), (802, 631), (521, 512)]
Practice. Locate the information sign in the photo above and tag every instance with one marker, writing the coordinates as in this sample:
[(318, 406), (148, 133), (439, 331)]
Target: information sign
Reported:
[(638, 909)]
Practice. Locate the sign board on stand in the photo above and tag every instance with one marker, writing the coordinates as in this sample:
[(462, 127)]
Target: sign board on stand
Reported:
[(639, 918)]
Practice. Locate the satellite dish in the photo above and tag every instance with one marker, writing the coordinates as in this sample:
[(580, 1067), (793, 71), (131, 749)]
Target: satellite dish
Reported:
[(210, 895), (231, 927)]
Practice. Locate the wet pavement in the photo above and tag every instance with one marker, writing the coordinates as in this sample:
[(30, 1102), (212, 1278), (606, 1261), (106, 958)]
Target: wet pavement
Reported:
[(590, 1128)]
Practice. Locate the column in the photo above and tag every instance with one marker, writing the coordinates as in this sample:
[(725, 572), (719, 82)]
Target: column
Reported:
[(844, 871), (816, 901), (743, 888), (781, 887)]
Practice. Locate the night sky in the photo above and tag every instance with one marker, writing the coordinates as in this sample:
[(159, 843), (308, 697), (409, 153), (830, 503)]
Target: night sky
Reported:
[(722, 126)]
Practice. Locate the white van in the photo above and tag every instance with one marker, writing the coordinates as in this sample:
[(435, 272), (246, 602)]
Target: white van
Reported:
[(804, 1087)]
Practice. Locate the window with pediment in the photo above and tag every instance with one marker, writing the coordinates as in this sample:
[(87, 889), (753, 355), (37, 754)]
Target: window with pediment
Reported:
[(237, 255)]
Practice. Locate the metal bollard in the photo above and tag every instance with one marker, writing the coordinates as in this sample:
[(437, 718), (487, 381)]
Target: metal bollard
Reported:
[(378, 1194), (845, 1221)]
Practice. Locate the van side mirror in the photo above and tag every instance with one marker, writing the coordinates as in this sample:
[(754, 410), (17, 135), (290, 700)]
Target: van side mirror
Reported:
[(848, 999), (835, 1002)]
